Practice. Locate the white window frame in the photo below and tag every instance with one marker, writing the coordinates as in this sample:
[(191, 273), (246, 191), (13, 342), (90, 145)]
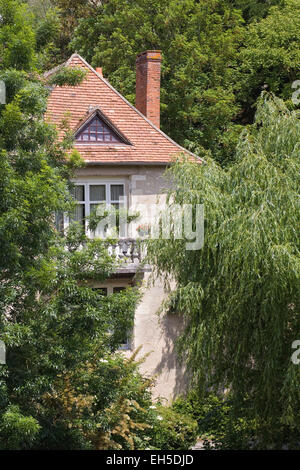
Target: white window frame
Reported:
[(87, 203)]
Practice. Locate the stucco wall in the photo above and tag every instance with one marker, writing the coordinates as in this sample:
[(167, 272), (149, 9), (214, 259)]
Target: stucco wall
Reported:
[(155, 331)]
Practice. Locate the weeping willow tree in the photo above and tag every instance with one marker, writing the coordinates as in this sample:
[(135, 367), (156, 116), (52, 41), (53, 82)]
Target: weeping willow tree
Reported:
[(239, 294)]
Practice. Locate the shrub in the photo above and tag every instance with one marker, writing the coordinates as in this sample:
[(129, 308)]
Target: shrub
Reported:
[(17, 431), (173, 430), (220, 425)]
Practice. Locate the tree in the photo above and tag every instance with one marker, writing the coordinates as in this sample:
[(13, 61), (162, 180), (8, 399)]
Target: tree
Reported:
[(239, 294), (269, 58), (17, 38), (255, 9)]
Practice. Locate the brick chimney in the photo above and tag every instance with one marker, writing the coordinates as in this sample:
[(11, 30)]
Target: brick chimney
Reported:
[(147, 101)]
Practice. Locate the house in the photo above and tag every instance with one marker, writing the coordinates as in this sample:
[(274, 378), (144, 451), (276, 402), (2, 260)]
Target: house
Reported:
[(126, 155)]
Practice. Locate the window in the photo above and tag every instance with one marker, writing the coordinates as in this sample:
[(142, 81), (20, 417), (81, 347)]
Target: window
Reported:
[(90, 195), (101, 290), (126, 345), (127, 337), (116, 290), (97, 131)]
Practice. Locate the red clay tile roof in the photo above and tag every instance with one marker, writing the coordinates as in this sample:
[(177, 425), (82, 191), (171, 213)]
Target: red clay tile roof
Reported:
[(149, 144)]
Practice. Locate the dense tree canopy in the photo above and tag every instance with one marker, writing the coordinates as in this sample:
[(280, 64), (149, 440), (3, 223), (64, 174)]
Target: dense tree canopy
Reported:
[(17, 38), (254, 9), (270, 56)]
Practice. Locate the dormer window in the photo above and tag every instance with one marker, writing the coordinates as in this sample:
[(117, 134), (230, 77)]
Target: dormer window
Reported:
[(98, 129)]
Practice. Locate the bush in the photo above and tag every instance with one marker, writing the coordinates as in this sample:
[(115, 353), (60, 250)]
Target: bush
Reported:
[(219, 424), (173, 430), (17, 431)]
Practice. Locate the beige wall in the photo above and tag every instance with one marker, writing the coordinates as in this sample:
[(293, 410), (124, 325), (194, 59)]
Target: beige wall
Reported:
[(154, 333)]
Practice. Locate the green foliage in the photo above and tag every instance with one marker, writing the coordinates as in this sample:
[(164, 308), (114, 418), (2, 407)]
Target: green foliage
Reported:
[(75, 160), (173, 430), (103, 404), (17, 38), (220, 425), (70, 13), (17, 431), (255, 9), (240, 294), (47, 29), (270, 57), (71, 76)]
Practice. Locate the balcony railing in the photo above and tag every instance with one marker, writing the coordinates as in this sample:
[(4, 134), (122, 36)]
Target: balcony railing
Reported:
[(129, 251)]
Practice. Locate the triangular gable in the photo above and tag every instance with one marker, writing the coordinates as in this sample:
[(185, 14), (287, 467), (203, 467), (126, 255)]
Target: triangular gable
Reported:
[(97, 128)]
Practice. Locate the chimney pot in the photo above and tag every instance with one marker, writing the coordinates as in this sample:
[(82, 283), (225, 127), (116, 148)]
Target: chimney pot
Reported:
[(147, 101), (99, 71)]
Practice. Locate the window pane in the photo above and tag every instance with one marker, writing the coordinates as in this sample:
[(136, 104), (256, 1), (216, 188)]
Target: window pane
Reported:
[(59, 220), (116, 191), (93, 208), (99, 232), (78, 192), (97, 192), (101, 290), (78, 214), (118, 289), (97, 131)]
